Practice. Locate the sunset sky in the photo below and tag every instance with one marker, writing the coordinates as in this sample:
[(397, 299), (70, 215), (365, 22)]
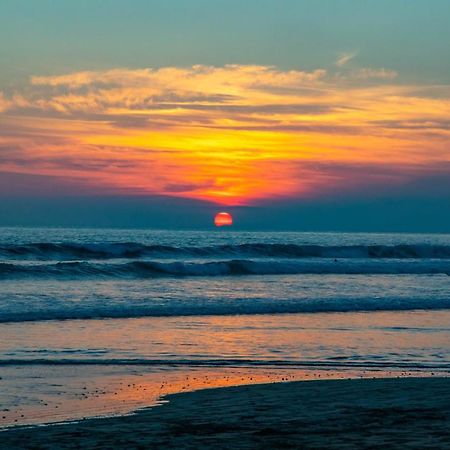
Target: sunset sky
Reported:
[(254, 105)]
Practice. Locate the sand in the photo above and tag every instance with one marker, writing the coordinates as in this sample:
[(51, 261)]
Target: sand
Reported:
[(407, 413)]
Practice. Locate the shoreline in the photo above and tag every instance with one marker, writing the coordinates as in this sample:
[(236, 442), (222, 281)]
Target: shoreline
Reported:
[(355, 414), (59, 394)]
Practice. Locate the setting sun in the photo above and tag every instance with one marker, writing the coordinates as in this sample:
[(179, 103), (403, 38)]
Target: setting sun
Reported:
[(223, 219)]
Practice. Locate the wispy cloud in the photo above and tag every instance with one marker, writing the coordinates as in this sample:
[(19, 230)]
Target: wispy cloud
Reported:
[(382, 74), (196, 78), (345, 57)]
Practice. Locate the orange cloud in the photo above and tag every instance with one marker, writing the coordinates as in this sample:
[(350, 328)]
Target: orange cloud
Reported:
[(234, 134)]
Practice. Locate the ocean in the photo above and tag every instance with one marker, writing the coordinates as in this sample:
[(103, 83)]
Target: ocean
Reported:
[(84, 309)]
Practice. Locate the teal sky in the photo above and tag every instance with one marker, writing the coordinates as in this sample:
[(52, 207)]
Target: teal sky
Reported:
[(57, 36)]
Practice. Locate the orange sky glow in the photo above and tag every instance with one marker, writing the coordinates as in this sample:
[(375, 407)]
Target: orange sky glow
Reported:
[(233, 135)]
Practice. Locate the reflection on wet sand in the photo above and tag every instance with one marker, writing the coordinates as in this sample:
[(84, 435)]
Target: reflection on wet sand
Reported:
[(73, 393)]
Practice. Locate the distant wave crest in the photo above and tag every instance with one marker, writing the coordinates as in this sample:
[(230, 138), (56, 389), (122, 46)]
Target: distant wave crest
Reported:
[(132, 250)]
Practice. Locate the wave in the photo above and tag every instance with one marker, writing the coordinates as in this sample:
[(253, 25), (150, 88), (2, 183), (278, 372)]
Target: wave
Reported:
[(153, 269), (133, 250), (223, 308), (325, 364)]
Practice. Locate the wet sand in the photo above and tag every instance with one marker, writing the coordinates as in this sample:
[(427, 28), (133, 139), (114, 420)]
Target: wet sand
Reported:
[(40, 394), (406, 413)]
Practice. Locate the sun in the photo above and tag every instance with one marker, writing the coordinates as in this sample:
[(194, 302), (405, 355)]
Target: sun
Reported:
[(223, 219)]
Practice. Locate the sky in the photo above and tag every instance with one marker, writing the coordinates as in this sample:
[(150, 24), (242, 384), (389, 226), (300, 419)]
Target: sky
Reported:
[(291, 114)]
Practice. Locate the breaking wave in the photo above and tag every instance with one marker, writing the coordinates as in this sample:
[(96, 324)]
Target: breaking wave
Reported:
[(223, 308), (235, 267)]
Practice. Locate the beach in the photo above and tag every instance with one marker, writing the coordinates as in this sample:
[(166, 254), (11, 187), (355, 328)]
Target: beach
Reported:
[(407, 413)]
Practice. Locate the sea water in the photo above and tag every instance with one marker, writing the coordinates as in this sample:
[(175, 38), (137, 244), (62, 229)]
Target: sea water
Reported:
[(94, 302)]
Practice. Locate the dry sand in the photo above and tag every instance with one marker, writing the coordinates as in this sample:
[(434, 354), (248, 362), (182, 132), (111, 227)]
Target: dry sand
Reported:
[(408, 413)]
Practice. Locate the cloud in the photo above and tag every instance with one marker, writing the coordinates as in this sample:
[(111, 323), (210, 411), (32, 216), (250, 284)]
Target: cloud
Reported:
[(141, 89), (173, 90), (4, 102), (345, 57), (184, 79), (31, 185), (382, 74)]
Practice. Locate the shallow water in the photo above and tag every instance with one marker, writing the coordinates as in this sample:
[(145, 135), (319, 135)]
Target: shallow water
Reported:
[(396, 340)]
